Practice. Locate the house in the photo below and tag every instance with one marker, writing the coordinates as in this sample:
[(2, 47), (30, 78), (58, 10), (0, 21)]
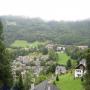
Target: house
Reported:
[(60, 70), (80, 70), (60, 48), (83, 61), (82, 47), (45, 85)]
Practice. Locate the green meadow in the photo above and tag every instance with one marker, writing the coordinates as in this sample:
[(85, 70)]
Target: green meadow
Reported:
[(62, 58), (20, 43), (25, 44), (67, 82)]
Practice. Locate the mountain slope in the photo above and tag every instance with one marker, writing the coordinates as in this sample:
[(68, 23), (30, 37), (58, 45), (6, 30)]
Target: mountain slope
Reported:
[(20, 28)]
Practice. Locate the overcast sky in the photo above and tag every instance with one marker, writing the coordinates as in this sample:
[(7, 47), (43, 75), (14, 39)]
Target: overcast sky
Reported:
[(47, 9)]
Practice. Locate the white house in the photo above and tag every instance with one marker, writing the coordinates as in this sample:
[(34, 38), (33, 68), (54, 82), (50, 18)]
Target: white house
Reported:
[(80, 70), (78, 73), (61, 49)]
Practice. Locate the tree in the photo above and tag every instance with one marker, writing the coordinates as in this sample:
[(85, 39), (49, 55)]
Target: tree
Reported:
[(16, 87), (51, 68), (5, 62), (20, 83), (28, 81), (40, 79), (57, 78), (44, 51), (69, 64), (52, 55), (54, 83), (87, 76)]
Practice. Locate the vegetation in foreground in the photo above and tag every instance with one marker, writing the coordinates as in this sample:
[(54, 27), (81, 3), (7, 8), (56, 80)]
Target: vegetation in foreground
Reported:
[(6, 78)]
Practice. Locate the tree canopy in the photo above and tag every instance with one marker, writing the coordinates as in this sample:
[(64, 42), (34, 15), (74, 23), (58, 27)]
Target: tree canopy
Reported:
[(5, 63)]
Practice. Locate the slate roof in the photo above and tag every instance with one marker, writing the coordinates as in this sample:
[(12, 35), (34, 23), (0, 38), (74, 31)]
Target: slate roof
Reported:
[(44, 86), (80, 65), (83, 61)]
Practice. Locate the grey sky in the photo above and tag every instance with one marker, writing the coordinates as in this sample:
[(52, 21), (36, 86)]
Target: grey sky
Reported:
[(47, 9)]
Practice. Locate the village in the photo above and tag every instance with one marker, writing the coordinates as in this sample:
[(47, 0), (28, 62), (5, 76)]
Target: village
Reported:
[(45, 67)]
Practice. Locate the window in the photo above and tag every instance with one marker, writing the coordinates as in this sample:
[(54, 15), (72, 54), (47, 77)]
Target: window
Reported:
[(78, 71)]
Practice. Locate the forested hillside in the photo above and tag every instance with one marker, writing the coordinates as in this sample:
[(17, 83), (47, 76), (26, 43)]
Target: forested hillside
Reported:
[(16, 28)]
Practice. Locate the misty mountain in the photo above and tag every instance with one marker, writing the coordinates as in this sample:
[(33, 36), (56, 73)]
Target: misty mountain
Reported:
[(37, 29)]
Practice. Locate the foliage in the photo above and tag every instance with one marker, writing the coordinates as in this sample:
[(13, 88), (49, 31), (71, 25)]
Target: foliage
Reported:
[(5, 62), (19, 52), (20, 83), (57, 78), (75, 53), (16, 87), (28, 81), (44, 51), (51, 68), (40, 79), (53, 55), (69, 64)]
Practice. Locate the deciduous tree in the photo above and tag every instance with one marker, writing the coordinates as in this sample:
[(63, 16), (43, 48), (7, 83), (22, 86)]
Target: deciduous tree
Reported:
[(5, 62)]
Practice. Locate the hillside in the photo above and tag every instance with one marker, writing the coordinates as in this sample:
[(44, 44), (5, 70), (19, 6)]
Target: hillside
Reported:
[(20, 28)]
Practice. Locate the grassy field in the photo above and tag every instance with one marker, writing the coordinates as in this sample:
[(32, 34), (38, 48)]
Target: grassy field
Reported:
[(36, 44), (63, 57), (20, 43), (25, 44), (67, 82)]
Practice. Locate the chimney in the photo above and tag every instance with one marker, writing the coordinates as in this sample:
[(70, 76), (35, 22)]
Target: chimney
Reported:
[(32, 86)]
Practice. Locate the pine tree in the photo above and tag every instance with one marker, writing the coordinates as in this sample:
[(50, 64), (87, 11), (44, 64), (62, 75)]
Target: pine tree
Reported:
[(57, 78), (69, 64), (5, 64)]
